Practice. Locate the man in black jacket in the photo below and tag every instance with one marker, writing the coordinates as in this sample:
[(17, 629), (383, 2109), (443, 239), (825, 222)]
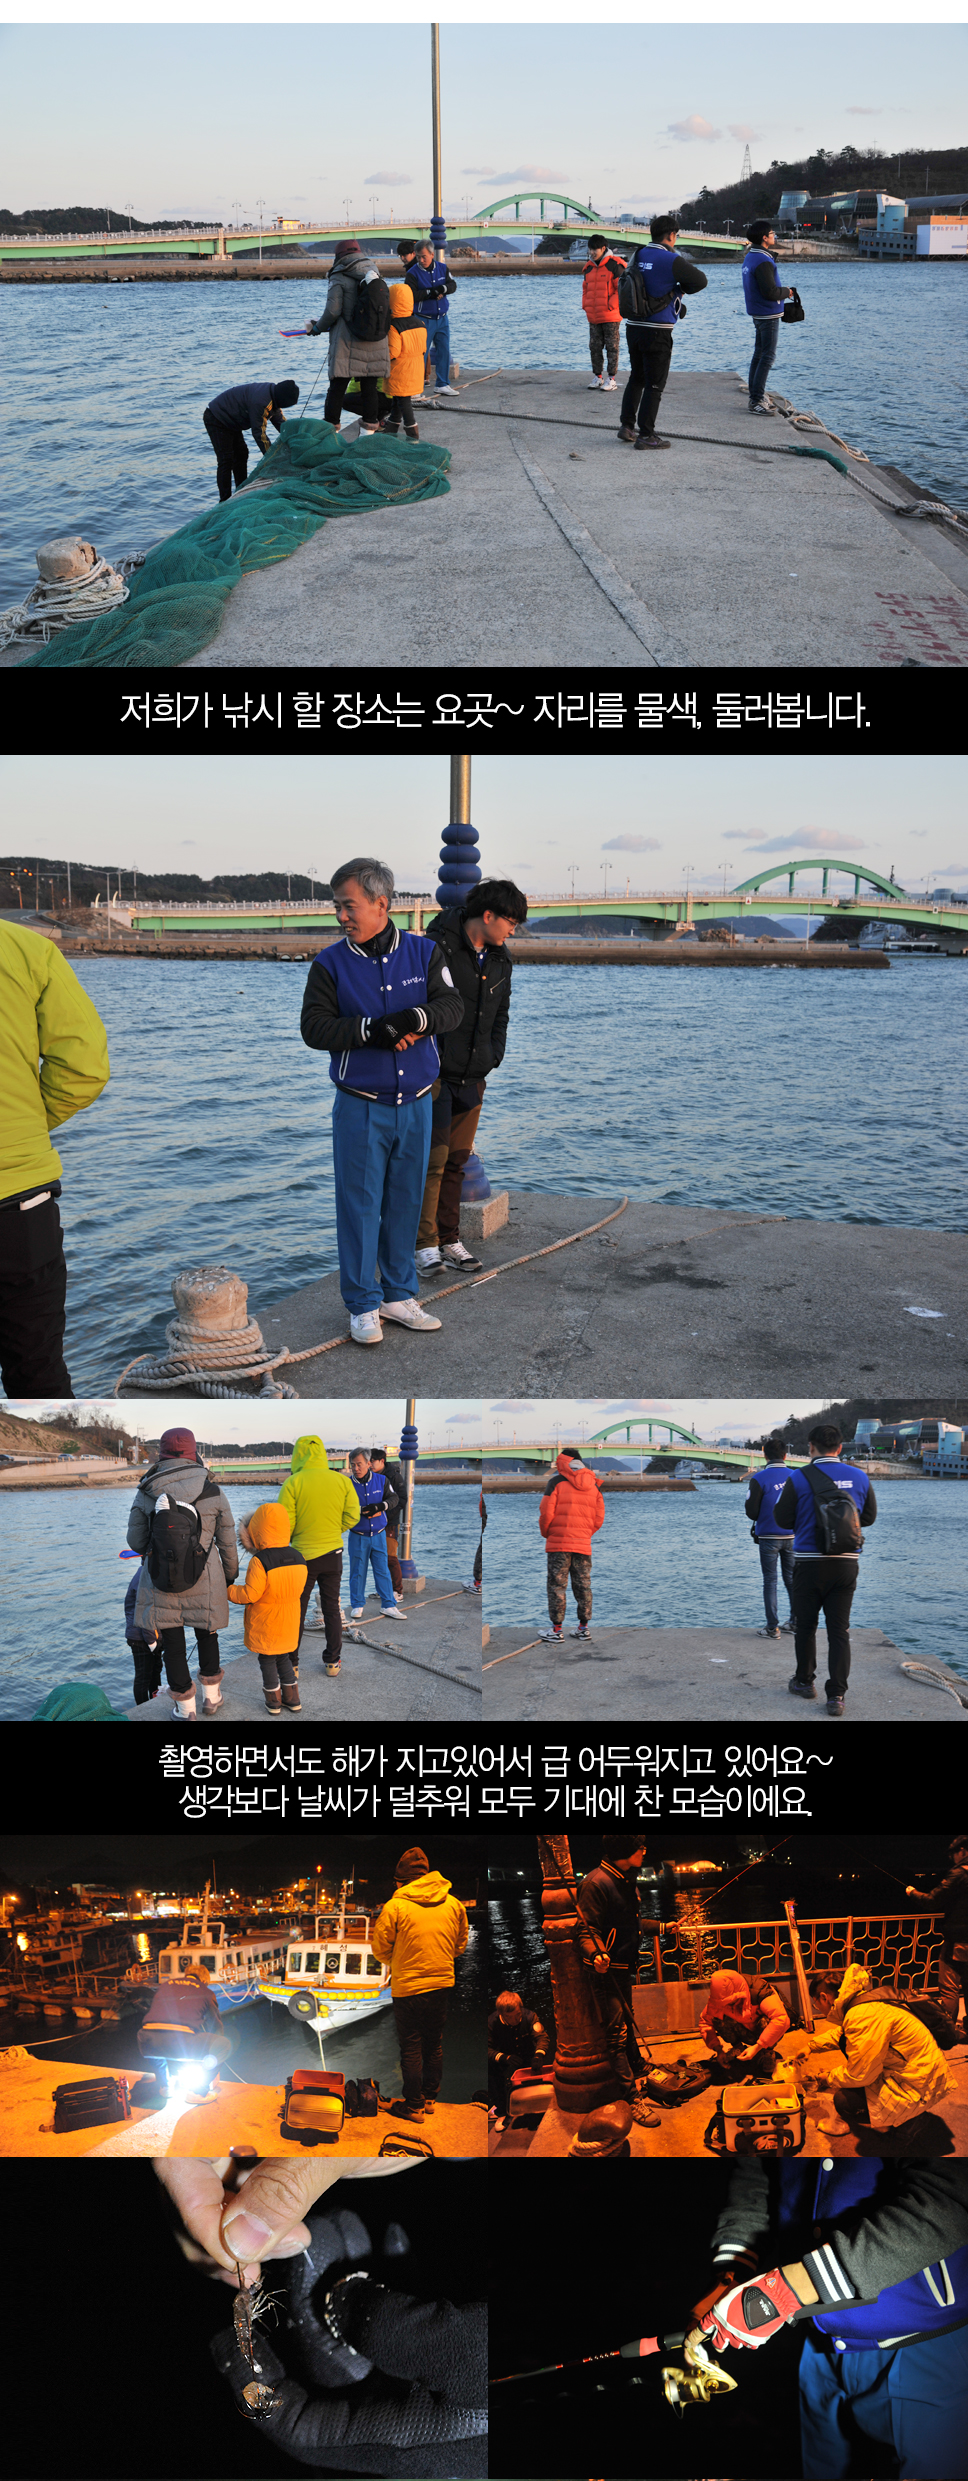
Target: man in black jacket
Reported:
[(250, 407), (608, 1903), (870, 2258), (474, 942)]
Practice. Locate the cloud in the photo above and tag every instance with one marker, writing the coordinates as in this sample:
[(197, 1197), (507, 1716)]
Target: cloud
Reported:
[(741, 129), (484, 172), (865, 111), (819, 840), (388, 181), (462, 1419), (632, 844), (694, 127), (918, 831), (519, 172), (740, 835)]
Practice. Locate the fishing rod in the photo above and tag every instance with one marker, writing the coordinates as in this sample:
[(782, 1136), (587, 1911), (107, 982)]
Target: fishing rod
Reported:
[(642, 2348)]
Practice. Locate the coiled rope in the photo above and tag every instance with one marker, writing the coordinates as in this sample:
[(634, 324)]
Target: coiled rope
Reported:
[(164, 1374), (49, 608)]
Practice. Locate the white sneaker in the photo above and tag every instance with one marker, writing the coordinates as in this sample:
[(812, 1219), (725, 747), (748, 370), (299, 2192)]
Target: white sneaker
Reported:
[(445, 389), (409, 1314), (428, 1261), (366, 1329), (357, 1615), (608, 385), (453, 1253), (388, 1611), (760, 408), (595, 383)]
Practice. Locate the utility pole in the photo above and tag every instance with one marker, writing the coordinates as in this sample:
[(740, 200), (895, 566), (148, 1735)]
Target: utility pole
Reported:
[(260, 203)]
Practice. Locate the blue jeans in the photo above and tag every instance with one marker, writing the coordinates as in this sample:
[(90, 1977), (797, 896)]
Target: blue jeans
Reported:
[(380, 1157), (764, 355), (914, 2400), (364, 1547), (438, 343), (779, 1549)]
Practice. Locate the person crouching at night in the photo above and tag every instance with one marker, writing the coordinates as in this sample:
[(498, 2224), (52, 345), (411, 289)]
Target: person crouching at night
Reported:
[(743, 2020)]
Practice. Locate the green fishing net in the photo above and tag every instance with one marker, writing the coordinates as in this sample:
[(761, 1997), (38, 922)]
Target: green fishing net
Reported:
[(178, 598)]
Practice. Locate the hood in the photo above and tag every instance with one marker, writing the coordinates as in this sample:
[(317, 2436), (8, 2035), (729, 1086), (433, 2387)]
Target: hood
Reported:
[(308, 1450), (577, 1474), (727, 1991), (269, 1529), (427, 1890), (401, 301), (855, 1985), (350, 266), (175, 1475)]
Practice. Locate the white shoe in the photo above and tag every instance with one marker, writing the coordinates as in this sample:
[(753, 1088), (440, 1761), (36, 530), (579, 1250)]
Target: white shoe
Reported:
[(595, 383), (211, 1704), (357, 1615), (388, 1611), (409, 1314), (608, 385), (366, 1329), (445, 389), (183, 1708), (760, 408), (428, 1261), (453, 1253)]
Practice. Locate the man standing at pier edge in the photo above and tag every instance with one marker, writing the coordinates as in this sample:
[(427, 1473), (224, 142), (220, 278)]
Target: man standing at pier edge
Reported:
[(827, 1505), (599, 301), (375, 1000), (474, 942), (430, 282), (663, 277), (775, 1548), (764, 299)]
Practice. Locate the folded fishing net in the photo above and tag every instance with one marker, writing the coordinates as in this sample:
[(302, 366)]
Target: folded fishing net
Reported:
[(178, 598)]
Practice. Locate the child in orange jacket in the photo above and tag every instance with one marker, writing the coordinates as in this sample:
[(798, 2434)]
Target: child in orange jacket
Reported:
[(571, 1511), (408, 350), (272, 1592)]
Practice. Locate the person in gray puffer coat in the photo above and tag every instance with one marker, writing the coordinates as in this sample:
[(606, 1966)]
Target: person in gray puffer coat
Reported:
[(349, 356), (180, 1477)]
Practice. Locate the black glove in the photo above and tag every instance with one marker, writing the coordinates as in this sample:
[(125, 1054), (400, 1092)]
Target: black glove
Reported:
[(386, 1032), (386, 2384)]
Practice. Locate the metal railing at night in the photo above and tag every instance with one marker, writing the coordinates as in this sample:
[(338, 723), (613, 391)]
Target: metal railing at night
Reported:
[(902, 1949)]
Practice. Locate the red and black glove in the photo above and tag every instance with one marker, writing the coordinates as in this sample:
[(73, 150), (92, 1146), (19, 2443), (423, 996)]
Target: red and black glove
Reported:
[(753, 2312)]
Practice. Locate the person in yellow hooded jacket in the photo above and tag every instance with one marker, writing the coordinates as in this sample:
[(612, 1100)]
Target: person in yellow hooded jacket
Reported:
[(53, 1063), (408, 352), (420, 1933), (883, 2058), (272, 1592), (321, 1506)]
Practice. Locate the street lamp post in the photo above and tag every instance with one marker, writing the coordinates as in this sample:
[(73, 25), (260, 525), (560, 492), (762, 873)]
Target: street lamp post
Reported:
[(129, 212), (260, 203)]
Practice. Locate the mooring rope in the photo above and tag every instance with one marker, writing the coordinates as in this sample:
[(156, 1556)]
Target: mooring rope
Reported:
[(509, 1658), (289, 1359), (62, 605)]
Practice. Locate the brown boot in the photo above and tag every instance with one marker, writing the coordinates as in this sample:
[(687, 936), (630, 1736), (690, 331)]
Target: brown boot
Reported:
[(273, 1698), (290, 1697), (412, 431)]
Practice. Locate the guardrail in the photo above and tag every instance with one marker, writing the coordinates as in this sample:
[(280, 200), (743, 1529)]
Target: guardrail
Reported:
[(897, 1948)]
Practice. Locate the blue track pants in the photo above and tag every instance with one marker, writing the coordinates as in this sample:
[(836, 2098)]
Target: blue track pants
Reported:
[(380, 1157)]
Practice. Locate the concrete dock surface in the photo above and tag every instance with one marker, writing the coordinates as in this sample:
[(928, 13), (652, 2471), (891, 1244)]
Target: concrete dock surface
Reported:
[(941, 2131), (667, 1300), (424, 1669), (558, 545), (718, 1675), (233, 2114)]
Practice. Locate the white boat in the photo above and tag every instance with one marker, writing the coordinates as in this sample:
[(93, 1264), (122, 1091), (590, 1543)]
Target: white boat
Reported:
[(332, 1977), (233, 1969)]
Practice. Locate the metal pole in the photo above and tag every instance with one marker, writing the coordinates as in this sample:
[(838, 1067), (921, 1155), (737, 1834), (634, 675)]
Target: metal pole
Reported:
[(460, 792), (406, 1562), (435, 115)]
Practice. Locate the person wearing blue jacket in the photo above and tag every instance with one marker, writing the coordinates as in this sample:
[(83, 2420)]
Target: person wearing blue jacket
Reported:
[(366, 1541), (775, 1547), (870, 2259), (764, 299), (823, 1580), (375, 1000), (430, 283), (250, 407), (665, 277)]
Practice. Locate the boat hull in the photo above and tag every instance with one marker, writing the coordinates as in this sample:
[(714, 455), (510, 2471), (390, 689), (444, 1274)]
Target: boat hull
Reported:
[(333, 2007)]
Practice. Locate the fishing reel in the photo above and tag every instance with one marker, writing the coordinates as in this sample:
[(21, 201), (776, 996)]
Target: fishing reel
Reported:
[(701, 2381)]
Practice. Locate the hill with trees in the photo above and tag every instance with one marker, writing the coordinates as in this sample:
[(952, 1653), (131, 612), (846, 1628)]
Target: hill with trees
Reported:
[(919, 172)]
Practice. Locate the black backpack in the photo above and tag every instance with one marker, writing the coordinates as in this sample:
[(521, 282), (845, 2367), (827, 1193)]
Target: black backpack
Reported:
[(838, 1521), (176, 1556), (370, 319), (633, 300)]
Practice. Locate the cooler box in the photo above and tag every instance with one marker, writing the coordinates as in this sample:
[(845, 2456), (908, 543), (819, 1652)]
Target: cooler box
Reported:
[(762, 2119)]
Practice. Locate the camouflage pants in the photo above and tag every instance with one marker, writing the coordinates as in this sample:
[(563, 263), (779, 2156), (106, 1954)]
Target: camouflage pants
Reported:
[(576, 1565)]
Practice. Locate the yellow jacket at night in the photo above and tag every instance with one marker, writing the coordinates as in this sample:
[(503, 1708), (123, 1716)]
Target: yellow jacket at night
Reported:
[(53, 1056), (884, 2049), (419, 1933), (322, 1505)]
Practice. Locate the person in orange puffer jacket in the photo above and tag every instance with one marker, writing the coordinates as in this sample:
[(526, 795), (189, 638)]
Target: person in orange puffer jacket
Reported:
[(571, 1511), (599, 301), (272, 1592), (408, 353)]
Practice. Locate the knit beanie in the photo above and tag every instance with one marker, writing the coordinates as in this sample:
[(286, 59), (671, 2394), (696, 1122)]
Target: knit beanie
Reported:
[(412, 1864), (346, 249), (179, 1443)]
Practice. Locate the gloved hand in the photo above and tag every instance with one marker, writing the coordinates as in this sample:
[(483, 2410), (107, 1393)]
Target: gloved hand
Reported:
[(385, 1032), (753, 2312), (382, 2376)]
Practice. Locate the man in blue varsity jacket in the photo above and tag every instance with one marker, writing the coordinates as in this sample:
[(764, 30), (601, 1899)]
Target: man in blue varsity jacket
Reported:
[(775, 1547), (870, 2258), (824, 1569), (374, 1001)]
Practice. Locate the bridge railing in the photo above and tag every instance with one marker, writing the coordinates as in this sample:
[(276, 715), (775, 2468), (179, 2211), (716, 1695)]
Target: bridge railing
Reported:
[(899, 1949)]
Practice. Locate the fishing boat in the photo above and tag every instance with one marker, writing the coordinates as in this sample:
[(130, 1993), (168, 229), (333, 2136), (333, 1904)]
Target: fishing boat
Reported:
[(232, 1966), (333, 1976)]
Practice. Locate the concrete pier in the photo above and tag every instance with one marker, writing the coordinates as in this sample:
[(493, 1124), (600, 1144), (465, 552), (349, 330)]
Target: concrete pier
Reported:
[(426, 1669), (557, 545), (233, 2114), (718, 1675), (671, 1300)]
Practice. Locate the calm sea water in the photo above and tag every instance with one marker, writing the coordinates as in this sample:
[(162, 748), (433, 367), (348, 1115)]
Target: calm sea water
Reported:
[(116, 378), (671, 1560), (63, 1583), (212, 1140)]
